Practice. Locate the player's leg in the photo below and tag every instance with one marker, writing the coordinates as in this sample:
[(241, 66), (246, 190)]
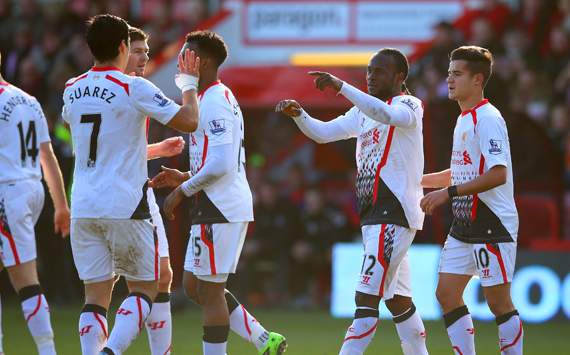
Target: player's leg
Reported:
[(20, 207), (409, 324), (134, 248), (159, 322), (456, 268), (495, 263), (225, 258), (215, 317), (94, 266), (385, 246)]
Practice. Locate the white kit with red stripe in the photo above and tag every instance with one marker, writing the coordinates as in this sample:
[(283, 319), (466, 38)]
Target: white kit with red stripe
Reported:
[(110, 229), (228, 199), (483, 235), (389, 164), (480, 142), (23, 128), (107, 110)]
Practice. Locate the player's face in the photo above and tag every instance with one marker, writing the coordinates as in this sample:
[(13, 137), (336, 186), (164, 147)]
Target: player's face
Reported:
[(138, 58), (381, 76), (461, 83)]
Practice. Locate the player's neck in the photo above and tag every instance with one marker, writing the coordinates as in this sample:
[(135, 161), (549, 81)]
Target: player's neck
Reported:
[(109, 63), (471, 101), (206, 80)]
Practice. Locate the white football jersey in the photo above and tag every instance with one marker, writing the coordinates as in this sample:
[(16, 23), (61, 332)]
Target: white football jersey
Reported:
[(221, 122), (106, 110), (480, 142), (390, 165), (23, 127)]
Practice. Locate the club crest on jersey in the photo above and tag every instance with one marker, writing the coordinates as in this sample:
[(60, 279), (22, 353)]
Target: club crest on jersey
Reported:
[(495, 146), (160, 100), (217, 127)]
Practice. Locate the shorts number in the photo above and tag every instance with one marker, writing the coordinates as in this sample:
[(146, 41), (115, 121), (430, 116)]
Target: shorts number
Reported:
[(29, 145), (197, 248), (368, 271), (96, 120), (481, 258)]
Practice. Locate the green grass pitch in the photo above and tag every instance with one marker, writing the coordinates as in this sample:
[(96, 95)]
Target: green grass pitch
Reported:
[(308, 333)]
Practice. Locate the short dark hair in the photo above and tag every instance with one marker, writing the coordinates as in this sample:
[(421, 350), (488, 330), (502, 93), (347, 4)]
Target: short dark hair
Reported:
[(105, 34), (136, 34), (211, 43), (401, 62), (479, 60)]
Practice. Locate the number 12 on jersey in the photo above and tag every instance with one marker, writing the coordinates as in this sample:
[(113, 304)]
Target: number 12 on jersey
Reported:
[(95, 119)]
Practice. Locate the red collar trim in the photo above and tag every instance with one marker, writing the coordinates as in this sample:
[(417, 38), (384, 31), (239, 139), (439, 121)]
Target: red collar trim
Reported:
[(107, 68), (202, 92), (482, 103)]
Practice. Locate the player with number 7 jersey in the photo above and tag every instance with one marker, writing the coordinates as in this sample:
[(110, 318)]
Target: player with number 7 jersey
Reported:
[(111, 231)]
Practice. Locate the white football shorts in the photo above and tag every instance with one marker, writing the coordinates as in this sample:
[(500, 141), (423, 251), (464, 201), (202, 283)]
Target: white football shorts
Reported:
[(105, 247), (385, 269), (158, 223), (493, 263), (214, 249), (20, 206)]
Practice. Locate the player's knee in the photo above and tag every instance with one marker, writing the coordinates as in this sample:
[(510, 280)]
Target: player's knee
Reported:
[(364, 300), (211, 293)]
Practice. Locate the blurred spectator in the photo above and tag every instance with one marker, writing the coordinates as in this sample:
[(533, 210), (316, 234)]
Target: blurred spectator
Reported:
[(323, 225), (264, 266)]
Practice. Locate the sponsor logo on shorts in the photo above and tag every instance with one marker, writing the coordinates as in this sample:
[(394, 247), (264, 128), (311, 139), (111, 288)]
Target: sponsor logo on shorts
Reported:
[(365, 280)]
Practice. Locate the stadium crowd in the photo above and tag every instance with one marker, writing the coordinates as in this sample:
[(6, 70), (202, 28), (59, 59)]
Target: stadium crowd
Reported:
[(298, 218)]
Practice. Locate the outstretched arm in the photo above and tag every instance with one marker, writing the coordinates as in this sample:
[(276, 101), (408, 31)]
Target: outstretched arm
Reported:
[(167, 148), (317, 130), (376, 109)]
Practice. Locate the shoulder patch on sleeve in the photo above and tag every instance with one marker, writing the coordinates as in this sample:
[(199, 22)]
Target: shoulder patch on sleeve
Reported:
[(410, 103), (217, 127), (495, 146), (160, 100)]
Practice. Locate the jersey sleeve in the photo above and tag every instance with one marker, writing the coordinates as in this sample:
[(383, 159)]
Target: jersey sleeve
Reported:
[(150, 100), (42, 126), (493, 141), (349, 122), (218, 120), (412, 111)]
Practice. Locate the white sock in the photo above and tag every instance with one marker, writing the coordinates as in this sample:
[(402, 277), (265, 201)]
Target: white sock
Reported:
[(460, 331), (510, 333), (243, 323), (159, 325), (36, 314), (93, 332), (214, 348), (215, 339), (129, 321), (412, 332), (360, 333)]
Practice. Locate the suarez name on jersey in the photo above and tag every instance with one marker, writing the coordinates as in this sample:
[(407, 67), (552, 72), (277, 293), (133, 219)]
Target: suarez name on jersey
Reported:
[(480, 142), (106, 110)]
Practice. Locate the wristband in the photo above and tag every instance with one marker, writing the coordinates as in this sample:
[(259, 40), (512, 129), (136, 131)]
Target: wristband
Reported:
[(452, 191), (186, 82)]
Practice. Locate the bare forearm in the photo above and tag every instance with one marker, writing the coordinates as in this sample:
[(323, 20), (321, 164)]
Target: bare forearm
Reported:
[(153, 151), (437, 180), (53, 177), (496, 176)]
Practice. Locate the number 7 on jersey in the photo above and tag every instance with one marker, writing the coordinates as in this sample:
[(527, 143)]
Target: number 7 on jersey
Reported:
[(96, 120)]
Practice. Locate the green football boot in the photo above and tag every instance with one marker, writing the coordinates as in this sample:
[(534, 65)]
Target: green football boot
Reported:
[(276, 345)]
